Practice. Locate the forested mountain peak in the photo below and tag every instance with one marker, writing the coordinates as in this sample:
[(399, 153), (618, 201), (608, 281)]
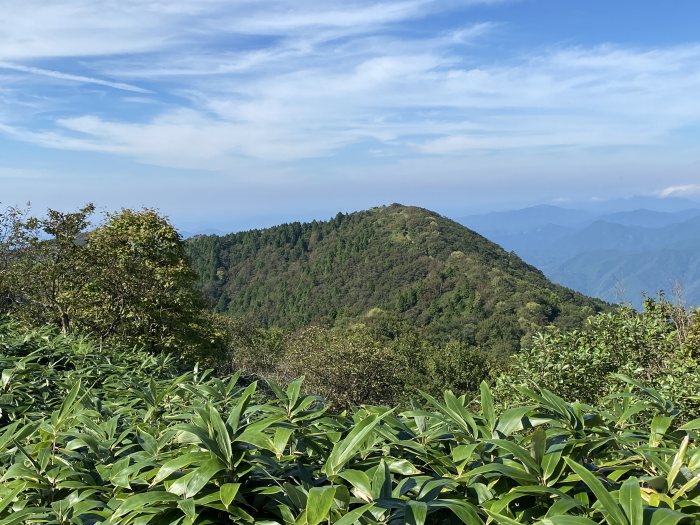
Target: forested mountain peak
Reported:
[(407, 266)]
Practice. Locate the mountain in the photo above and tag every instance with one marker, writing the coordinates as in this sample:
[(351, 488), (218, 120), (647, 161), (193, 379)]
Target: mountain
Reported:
[(186, 234), (648, 202), (399, 265), (525, 219), (620, 276), (649, 218), (614, 255)]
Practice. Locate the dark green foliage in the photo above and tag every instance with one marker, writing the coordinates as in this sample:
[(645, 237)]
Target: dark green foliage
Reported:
[(437, 276), (47, 266), (109, 436), (16, 233)]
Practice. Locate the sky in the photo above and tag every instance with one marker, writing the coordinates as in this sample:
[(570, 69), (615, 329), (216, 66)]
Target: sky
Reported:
[(242, 113)]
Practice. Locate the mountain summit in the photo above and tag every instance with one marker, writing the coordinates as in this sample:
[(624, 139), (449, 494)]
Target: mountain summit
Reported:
[(402, 263)]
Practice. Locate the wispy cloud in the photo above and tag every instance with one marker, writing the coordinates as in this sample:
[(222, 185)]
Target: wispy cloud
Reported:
[(282, 81), (422, 101), (70, 77), (35, 29)]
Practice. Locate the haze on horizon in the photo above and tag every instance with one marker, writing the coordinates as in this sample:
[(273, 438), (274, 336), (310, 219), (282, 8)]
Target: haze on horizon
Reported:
[(235, 114)]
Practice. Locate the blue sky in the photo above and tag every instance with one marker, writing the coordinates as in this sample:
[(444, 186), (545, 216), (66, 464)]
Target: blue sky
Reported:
[(238, 113)]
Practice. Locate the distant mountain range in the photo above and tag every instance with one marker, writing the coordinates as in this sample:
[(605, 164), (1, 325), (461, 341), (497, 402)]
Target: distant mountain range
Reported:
[(613, 255)]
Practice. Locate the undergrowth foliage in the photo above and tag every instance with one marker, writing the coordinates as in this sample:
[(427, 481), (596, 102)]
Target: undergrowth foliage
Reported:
[(110, 436)]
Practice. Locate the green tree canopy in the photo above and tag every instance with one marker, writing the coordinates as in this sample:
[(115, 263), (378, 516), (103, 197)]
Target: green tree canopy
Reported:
[(128, 279), (141, 289)]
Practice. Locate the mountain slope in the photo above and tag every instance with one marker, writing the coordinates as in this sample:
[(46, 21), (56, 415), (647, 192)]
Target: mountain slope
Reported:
[(626, 262), (625, 276), (393, 264)]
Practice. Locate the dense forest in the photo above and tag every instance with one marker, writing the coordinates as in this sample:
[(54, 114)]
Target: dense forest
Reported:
[(394, 266), (125, 400)]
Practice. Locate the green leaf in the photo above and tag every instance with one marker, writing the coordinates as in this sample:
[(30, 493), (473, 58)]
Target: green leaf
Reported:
[(169, 467), (538, 445), (677, 462), (347, 448), (516, 473), (187, 506), (519, 453), (281, 439), (666, 517), (513, 420), (565, 519), (227, 493), (234, 417), (691, 425), (631, 501), (354, 515), (12, 494), (68, 402), (143, 500), (318, 504), (487, 407), (610, 507), (24, 516), (659, 426), (191, 483), (464, 510), (503, 520), (293, 390), (416, 512), (551, 460), (223, 439), (403, 467), (360, 482)]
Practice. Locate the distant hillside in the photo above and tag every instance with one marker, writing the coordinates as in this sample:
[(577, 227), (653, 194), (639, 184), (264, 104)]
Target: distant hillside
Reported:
[(525, 219), (615, 256), (400, 264)]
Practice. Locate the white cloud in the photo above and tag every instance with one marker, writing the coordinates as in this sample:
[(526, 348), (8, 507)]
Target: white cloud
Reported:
[(684, 190), (35, 29), (421, 102), (283, 81)]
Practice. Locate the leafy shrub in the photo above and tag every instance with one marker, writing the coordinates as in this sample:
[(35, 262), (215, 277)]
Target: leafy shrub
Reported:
[(116, 436), (581, 364), (253, 350), (435, 368), (347, 368), (354, 364)]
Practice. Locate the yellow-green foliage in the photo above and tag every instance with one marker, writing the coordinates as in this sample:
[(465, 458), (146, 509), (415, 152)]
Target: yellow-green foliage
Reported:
[(128, 280), (658, 347), (90, 436), (348, 367), (352, 364)]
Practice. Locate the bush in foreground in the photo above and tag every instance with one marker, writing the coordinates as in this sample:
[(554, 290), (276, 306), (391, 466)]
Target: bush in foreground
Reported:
[(659, 347), (90, 437)]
